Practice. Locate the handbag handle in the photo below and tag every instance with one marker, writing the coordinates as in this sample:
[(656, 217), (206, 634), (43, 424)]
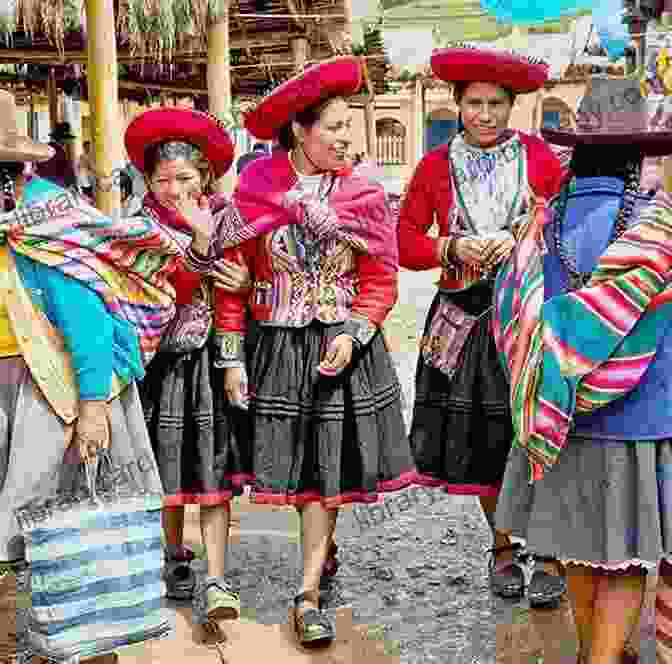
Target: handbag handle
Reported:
[(91, 469)]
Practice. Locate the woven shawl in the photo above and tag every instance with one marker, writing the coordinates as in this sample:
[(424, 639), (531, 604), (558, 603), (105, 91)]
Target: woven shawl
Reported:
[(580, 351), (126, 261)]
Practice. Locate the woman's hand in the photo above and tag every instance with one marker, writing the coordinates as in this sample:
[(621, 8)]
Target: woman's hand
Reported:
[(92, 430), (338, 356), (470, 250), (231, 276), (235, 386), (195, 210), (497, 250)]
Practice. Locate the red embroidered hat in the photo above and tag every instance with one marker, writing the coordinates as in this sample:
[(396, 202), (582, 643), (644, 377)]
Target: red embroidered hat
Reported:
[(464, 63), (180, 124), (338, 77)]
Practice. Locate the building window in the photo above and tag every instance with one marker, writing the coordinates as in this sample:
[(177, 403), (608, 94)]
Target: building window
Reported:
[(391, 142), (551, 120)]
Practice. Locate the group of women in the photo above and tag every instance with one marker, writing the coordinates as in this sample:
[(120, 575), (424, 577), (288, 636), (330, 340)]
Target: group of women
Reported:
[(240, 342)]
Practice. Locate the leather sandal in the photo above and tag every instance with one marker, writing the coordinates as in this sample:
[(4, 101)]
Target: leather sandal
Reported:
[(545, 590), (179, 576), (313, 627), (507, 581), (215, 599)]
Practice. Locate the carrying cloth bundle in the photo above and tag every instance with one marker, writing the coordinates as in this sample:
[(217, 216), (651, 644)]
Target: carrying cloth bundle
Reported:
[(95, 557), (578, 352), (126, 261)]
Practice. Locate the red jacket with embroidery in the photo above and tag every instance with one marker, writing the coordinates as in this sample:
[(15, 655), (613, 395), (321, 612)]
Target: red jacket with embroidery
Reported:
[(429, 196)]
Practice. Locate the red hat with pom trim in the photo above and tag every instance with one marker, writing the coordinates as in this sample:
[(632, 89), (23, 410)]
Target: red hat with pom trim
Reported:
[(338, 77), (465, 63), (201, 129)]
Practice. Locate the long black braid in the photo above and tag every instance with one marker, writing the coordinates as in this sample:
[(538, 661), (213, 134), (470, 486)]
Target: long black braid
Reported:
[(9, 170), (616, 161)]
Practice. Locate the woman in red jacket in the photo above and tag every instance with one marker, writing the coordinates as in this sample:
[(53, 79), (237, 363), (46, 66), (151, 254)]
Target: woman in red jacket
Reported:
[(474, 188), (320, 242)]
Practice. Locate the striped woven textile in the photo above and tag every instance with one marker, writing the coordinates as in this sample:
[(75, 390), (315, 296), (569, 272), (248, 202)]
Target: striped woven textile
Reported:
[(126, 261), (95, 576), (580, 351)]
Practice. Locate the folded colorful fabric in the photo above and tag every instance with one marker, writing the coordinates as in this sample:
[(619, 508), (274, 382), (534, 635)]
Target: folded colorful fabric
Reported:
[(578, 352), (126, 261)]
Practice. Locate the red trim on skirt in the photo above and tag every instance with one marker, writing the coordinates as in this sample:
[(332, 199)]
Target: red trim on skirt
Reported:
[(212, 497), (457, 489), (404, 480)]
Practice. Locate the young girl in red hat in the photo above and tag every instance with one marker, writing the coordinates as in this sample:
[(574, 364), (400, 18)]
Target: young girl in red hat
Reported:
[(198, 435), (320, 241)]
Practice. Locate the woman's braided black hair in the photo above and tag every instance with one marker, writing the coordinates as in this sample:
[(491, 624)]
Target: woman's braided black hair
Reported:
[(617, 161)]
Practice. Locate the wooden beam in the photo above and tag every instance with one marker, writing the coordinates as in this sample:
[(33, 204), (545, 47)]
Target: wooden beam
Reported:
[(219, 79), (13, 56), (102, 75)]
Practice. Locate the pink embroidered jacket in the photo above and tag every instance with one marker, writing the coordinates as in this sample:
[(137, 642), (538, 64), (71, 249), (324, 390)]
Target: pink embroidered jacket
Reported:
[(299, 277)]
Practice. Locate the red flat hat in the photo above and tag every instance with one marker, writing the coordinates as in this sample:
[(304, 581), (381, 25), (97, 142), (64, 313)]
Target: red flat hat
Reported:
[(180, 124), (468, 64), (338, 77)]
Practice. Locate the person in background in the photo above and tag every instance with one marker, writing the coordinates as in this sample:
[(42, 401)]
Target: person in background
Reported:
[(85, 171), (130, 203), (60, 168), (259, 150)]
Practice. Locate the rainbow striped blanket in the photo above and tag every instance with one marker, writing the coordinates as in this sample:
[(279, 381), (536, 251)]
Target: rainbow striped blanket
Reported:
[(578, 352), (126, 261)]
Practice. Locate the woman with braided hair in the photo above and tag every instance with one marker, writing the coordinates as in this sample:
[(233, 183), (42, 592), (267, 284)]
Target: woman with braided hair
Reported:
[(583, 326)]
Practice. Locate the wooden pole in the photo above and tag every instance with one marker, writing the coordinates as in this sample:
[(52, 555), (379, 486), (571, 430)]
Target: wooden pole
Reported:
[(219, 80), (52, 93), (300, 52), (102, 73)]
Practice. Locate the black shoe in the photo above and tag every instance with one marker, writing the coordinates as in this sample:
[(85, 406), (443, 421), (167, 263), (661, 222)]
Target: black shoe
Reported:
[(545, 590), (508, 582)]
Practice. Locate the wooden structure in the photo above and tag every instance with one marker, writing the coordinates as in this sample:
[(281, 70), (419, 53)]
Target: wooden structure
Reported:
[(213, 50)]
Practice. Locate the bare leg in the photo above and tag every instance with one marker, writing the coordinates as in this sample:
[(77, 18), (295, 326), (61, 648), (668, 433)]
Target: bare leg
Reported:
[(618, 604), (582, 588), (501, 537), (173, 525), (317, 525), (215, 533)]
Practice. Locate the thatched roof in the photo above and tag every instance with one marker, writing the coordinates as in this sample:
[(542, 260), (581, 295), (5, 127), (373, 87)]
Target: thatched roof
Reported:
[(173, 34)]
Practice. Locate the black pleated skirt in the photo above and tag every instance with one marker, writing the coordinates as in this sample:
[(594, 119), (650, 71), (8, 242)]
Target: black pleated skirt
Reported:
[(461, 431), (336, 439), (200, 441)]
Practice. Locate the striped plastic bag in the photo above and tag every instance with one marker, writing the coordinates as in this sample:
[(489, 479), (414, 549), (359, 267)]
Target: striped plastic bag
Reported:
[(94, 558)]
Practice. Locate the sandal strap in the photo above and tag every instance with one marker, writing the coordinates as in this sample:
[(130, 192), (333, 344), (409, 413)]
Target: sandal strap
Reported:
[(303, 597), (517, 546)]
